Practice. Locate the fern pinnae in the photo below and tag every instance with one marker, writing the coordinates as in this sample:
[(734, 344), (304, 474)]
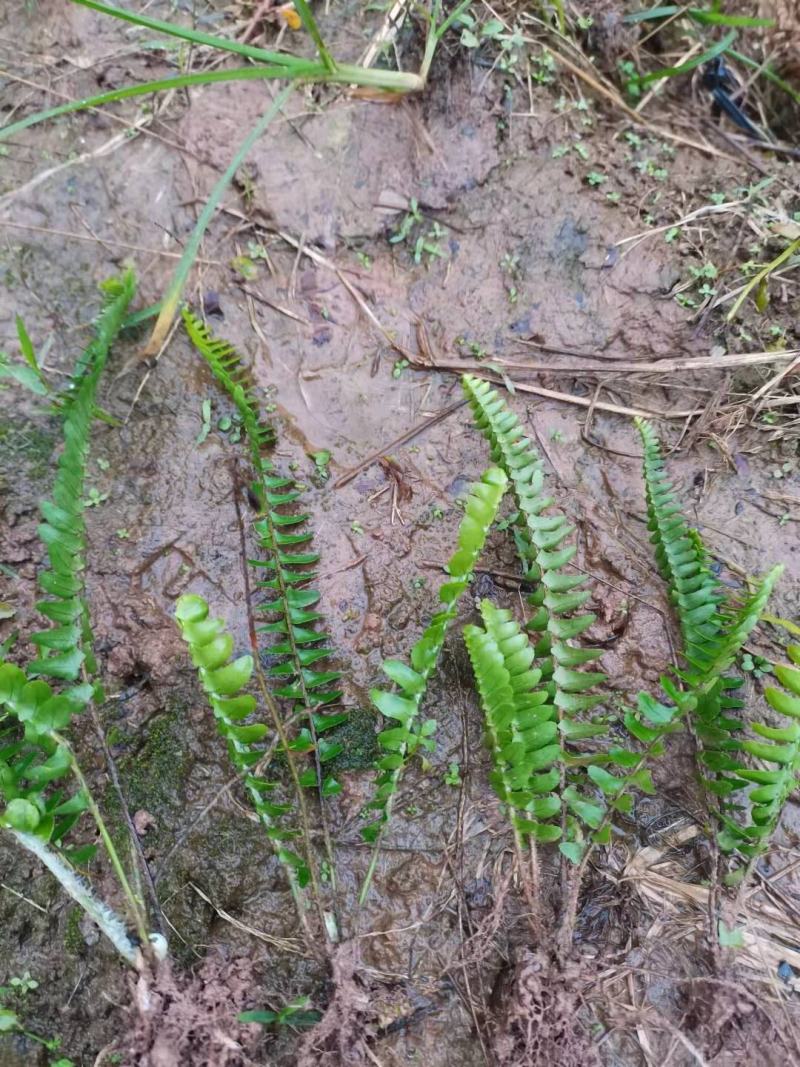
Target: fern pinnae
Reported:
[(543, 534), (713, 628), (223, 679), (403, 705), (778, 751), (66, 648)]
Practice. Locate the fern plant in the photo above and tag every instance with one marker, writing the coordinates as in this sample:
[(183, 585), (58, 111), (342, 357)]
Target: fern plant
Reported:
[(714, 627), (543, 536), (403, 705), (288, 615), (35, 757)]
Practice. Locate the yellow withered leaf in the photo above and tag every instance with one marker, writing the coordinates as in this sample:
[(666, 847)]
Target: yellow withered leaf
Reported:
[(288, 14)]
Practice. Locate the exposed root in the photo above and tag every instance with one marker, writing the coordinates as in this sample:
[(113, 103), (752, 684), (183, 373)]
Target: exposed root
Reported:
[(192, 1022), (540, 1025), (340, 1037)]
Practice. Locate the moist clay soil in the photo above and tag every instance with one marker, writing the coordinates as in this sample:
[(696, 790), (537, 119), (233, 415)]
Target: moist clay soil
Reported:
[(357, 323)]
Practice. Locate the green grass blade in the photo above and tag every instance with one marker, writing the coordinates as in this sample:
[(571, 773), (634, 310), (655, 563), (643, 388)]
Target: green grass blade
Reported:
[(708, 18), (345, 74), (311, 28), (768, 73), (719, 18), (716, 49), (195, 36), (451, 18), (173, 294), (165, 84)]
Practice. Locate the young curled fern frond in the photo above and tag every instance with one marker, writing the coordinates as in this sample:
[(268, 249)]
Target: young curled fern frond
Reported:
[(66, 648), (543, 535), (223, 679), (778, 751), (521, 727), (403, 705)]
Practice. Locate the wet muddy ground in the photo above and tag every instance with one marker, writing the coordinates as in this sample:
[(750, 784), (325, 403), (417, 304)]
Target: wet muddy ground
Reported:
[(525, 247)]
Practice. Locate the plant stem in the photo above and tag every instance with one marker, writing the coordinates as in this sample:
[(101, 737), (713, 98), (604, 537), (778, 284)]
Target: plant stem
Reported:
[(134, 903), (761, 276), (110, 923), (574, 880), (301, 800)]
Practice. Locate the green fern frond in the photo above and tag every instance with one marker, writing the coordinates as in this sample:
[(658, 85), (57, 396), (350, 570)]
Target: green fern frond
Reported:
[(521, 726), (299, 649), (223, 680), (67, 646), (680, 555), (713, 628), (226, 366), (403, 705), (543, 534)]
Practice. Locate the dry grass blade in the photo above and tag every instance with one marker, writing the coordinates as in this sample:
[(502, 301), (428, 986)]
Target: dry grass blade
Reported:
[(566, 398), (285, 944), (659, 366)]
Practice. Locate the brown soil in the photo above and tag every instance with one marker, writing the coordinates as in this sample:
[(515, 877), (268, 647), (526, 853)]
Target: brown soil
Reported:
[(437, 968)]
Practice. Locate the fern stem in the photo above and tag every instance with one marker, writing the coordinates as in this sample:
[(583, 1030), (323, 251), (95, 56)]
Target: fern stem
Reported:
[(301, 800), (134, 903), (99, 912)]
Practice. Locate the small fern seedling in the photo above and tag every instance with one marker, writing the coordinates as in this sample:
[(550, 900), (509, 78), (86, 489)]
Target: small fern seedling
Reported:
[(223, 680), (403, 705)]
